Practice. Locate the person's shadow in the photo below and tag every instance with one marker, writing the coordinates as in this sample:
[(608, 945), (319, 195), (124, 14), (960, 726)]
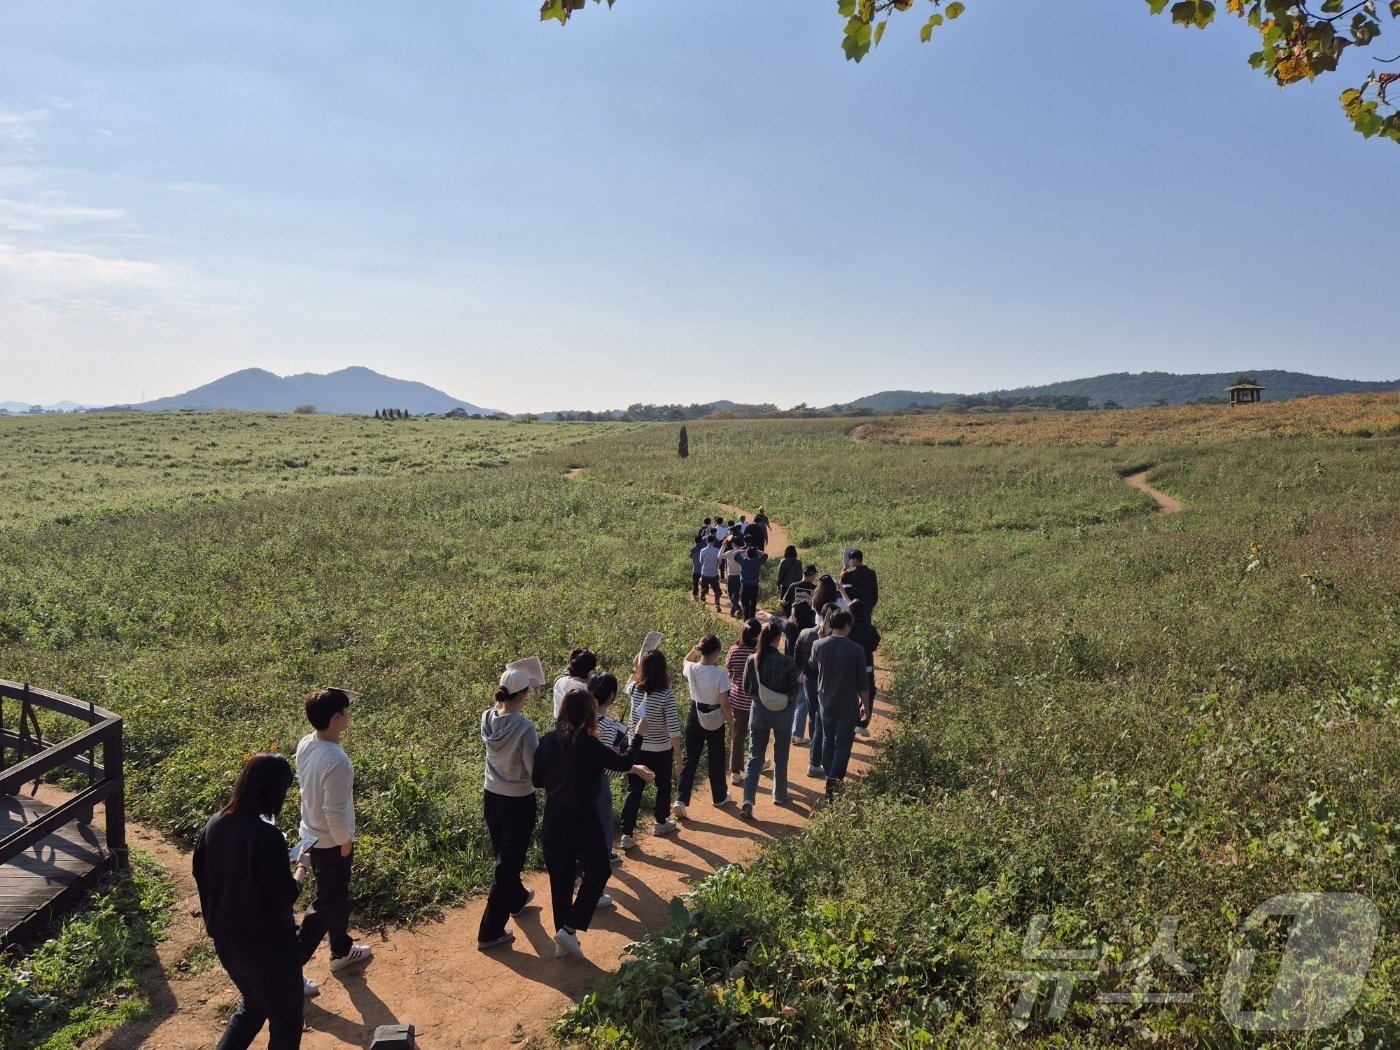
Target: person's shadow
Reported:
[(373, 1012)]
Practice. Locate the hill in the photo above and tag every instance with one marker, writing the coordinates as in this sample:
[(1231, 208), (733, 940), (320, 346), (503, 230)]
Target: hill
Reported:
[(350, 391), (1140, 389)]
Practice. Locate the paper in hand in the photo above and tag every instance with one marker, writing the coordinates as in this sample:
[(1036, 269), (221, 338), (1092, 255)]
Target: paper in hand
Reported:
[(534, 670), (652, 641)]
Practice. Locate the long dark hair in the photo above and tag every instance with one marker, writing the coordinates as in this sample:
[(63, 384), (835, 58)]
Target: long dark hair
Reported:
[(261, 787), (791, 552), (749, 634), (803, 615), (767, 640), (825, 594), (577, 716), (650, 674)]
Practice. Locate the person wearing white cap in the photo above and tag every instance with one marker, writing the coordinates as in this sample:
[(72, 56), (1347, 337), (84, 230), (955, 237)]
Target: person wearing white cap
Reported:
[(509, 804)]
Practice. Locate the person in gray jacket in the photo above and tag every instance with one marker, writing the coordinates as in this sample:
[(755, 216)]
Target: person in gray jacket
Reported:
[(509, 804)]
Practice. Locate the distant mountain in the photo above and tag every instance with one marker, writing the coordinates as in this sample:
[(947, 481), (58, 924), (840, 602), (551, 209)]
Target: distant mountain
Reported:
[(1139, 389), (349, 391)]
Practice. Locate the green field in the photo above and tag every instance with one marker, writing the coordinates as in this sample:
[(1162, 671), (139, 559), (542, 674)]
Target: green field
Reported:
[(1106, 716)]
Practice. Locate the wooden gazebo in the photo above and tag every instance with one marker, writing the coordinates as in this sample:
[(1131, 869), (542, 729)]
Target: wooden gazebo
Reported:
[(1245, 391)]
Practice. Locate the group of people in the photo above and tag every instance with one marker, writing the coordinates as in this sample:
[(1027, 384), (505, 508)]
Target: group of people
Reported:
[(248, 882), (803, 676)]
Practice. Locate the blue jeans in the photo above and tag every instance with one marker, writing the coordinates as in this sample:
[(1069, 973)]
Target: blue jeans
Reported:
[(761, 722), (800, 708), (814, 712), (838, 734)]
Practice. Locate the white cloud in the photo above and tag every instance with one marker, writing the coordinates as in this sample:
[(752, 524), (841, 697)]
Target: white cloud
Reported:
[(47, 273)]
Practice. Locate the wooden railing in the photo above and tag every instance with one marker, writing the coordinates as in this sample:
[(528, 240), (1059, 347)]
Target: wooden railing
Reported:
[(25, 757)]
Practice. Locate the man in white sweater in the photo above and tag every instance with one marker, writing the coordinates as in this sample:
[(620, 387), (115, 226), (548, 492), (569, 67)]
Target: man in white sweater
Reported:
[(328, 815)]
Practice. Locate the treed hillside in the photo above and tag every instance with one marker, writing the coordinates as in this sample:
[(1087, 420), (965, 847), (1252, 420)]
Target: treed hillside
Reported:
[(1140, 389)]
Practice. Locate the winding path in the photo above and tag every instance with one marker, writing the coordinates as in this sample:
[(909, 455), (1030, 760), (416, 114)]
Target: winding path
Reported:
[(1165, 503), (432, 976)]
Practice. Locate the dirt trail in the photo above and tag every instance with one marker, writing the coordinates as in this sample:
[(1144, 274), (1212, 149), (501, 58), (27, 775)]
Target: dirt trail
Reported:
[(1165, 504), (432, 975)]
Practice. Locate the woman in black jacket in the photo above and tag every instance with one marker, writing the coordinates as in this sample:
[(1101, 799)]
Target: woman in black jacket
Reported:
[(569, 767), (246, 893)]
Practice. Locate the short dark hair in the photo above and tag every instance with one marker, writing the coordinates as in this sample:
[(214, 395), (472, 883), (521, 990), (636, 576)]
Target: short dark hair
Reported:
[(839, 619), (325, 704), (261, 787), (603, 686), (582, 662), (859, 610), (791, 551), (857, 556), (804, 615)]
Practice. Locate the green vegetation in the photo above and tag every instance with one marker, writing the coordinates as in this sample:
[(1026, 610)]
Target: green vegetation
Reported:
[(1107, 716), (103, 464), (83, 980)]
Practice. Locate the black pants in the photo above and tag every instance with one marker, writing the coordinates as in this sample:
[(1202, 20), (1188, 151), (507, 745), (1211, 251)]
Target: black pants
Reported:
[(748, 599), (697, 740), (573, 839), (329, 913), (864, 721), (707, 584), (511, 822), (269, 978), (734, 599), (695, 585), (660, 763)]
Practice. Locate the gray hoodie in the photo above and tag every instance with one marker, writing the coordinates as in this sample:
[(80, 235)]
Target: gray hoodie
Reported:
[(510, 752)]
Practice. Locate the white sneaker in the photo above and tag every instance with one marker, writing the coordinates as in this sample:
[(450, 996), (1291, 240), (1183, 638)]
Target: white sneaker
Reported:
[(767, 765), (309, 988), (736, 778), (604, 900), (665, 827), (358, 955), (566, 943), (679, 810), (799, 741), (626, 842), (728, 800), (529, 896), (504, 938), (862, 731)]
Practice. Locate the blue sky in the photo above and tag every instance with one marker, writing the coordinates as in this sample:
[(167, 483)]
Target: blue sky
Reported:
[(678, 201)]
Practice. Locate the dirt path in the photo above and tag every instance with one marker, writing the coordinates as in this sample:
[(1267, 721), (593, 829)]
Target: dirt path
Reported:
[(432, 975), (1165, 504)]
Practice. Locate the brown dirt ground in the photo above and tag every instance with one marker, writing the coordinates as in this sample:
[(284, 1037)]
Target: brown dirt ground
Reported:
[(432, 976), (1165, 503)]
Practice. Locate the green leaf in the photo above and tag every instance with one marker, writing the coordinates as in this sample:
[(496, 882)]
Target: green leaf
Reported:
[(927, 31), (1198, 13), (954, 9), (880, 31), (1157, 6), (846, 8)]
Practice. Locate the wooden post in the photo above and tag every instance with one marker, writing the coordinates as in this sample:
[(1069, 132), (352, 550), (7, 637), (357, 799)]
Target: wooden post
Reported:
[(112, 755)]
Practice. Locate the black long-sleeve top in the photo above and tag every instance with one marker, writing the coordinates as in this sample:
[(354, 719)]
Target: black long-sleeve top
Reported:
[(572, 775), (246, 889)]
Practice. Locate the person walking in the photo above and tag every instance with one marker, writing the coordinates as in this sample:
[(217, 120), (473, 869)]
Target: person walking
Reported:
[(862, 577), (750, 574), (805, 620), (740, 702), (569, 767), (708, 684), (729, 568), (701, 542), (867, 636), (772, 678), (327, 782), (582, 663), (709, 571), (613, 734), (841, 694), (789, 573), (508, 804), (654, 707), (801, 591), (246, 894)]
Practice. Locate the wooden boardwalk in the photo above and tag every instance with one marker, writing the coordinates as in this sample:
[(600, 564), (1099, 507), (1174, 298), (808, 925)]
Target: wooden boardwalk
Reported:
[(37, 879)]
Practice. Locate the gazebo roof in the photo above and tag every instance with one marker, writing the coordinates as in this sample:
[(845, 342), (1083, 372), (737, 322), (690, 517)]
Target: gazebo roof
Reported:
[(1245, 386)]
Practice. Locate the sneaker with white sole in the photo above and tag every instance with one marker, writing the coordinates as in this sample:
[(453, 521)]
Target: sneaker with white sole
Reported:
[(627, 842), (615, 857), (310, 988), (679, 811), (664, 827), (728, 800), (495, 942), (566, 943), (816, 772), (529, 896), (358, 955), (604, 900), (862, 731), (767, 765), (736, 778), (800, 741), (746, 810)]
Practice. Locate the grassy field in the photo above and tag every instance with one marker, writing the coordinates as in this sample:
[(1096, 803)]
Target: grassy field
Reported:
[(1344, 415), (1107, 716)]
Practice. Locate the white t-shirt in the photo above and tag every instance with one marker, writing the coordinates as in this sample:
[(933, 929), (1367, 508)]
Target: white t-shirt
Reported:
[(708, 684), (563, 686), (730, 558)]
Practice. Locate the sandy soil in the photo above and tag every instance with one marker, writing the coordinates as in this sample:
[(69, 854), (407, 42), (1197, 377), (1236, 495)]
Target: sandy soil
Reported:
[(433, 977), (1165, 504)]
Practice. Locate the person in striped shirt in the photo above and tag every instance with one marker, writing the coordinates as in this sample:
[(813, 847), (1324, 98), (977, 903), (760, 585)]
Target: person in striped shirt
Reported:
[(654, 710), (740, 702)]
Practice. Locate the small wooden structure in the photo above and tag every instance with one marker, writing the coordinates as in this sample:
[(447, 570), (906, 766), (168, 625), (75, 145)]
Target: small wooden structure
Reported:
[(1245, 391), (49, 854)]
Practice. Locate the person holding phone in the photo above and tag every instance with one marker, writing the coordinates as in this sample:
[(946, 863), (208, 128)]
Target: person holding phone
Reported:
[(246, 894)]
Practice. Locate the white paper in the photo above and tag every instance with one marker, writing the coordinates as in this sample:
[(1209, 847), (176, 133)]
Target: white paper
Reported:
[(846, 553), (652, 641), (534, 670)]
